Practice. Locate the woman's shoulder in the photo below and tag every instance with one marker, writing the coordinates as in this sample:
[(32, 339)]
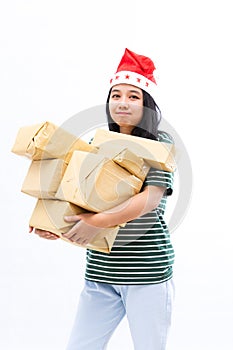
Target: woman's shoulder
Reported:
[(164, 136)]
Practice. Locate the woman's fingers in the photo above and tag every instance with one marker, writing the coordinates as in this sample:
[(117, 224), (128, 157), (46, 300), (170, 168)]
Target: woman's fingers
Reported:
[(46, 234), (72, 218)]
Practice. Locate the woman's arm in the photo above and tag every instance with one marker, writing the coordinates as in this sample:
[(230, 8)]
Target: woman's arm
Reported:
[(131, 209), (90, 224)]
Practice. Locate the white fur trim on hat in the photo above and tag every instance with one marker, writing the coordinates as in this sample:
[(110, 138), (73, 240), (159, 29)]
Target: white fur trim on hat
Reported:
[(132, 78)]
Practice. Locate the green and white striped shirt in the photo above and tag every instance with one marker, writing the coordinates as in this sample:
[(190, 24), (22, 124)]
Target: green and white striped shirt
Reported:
[(142, 252)]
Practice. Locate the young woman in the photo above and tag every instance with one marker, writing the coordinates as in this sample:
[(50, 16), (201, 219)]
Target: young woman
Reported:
[(135, 279)]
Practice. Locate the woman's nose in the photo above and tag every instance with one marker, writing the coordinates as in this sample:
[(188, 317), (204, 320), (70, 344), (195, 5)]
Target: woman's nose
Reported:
[(123, 103)]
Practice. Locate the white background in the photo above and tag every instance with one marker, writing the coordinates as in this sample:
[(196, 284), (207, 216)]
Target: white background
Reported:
[(55, 60)]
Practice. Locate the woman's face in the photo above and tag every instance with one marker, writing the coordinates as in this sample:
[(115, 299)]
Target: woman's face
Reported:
[(126, 106)]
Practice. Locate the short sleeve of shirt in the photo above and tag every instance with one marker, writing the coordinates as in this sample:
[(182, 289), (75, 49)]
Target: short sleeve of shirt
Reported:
[(158, 177)]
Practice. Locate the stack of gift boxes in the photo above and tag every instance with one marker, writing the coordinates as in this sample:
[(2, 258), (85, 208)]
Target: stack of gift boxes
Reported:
[(68, 175)]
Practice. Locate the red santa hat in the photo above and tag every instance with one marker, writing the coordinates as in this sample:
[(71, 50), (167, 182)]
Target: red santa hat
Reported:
[(136, 70)]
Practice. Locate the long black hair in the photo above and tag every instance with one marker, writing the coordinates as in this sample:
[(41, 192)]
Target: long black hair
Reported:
[(148, 126)]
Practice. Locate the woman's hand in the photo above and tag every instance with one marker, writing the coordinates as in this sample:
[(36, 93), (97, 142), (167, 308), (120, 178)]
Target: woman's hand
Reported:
[(84, 231), (43, 233)]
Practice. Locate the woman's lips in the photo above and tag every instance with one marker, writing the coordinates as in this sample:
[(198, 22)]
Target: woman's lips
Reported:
[(122, 113)]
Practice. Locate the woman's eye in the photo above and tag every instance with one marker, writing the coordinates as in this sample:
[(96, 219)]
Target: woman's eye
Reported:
[(115, 96), (134, 97)]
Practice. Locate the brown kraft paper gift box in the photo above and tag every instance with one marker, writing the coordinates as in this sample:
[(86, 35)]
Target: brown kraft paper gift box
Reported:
[(48, 215), (157, 154), (134, 164), (96, 183), (48, 141), (43, 178)]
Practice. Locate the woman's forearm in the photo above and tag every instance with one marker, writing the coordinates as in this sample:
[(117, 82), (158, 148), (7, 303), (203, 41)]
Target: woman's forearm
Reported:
[(132, 208)]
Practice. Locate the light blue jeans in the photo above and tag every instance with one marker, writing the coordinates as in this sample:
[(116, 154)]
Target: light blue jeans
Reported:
[(102, 306)]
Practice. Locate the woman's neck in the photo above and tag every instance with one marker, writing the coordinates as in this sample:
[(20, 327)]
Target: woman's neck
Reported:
[(126, 129)]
